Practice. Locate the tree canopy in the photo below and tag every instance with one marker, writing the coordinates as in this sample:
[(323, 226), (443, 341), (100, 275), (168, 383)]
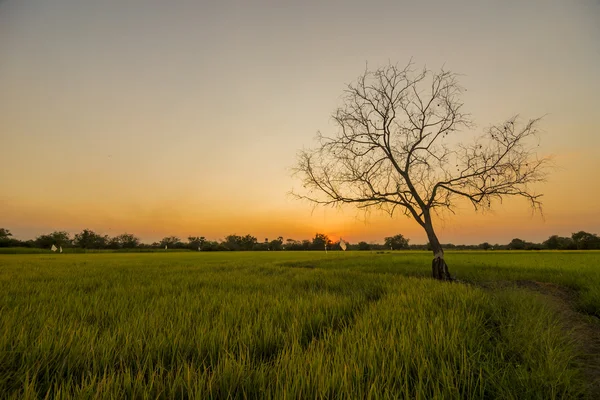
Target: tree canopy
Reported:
[(405, 144)]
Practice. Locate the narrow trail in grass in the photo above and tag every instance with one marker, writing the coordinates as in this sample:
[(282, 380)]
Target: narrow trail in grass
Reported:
[(313, 332), (584, 328)]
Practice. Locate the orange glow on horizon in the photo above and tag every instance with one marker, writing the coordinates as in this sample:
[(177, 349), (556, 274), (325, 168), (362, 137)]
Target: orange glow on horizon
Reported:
[(143, 126)]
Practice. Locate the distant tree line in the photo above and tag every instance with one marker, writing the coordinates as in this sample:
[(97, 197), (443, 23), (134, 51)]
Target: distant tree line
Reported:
[(577, 241), (88, 239)]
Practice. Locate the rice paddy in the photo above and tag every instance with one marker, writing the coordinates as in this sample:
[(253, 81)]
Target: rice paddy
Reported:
[(290, 325)]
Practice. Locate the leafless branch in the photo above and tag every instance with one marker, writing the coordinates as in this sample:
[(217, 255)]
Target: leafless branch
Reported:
[(398, 147)]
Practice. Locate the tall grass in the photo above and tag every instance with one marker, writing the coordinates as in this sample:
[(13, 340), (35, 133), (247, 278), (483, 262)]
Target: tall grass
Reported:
[(284, 325), (577, 270), (23, 250), (78, 250)]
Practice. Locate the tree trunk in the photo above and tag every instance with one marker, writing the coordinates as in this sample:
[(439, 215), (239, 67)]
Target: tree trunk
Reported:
[(439, 268)]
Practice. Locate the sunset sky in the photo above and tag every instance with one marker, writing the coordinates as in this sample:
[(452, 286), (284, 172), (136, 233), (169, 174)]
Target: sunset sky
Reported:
[(184, 117)]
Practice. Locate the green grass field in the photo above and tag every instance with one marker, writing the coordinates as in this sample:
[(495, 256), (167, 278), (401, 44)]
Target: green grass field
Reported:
[(297, 325)]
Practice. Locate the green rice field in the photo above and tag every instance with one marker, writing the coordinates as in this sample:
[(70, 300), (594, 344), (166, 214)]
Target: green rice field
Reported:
[(299, 325)]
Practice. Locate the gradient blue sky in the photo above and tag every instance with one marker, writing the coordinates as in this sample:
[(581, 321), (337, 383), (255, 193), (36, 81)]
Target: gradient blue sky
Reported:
[(184, 117)]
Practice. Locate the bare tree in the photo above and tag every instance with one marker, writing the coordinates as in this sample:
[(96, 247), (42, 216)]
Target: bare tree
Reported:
[(399, 147)]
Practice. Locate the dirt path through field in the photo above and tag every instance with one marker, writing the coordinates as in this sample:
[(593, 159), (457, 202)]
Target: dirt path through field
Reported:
[(584, 328)]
